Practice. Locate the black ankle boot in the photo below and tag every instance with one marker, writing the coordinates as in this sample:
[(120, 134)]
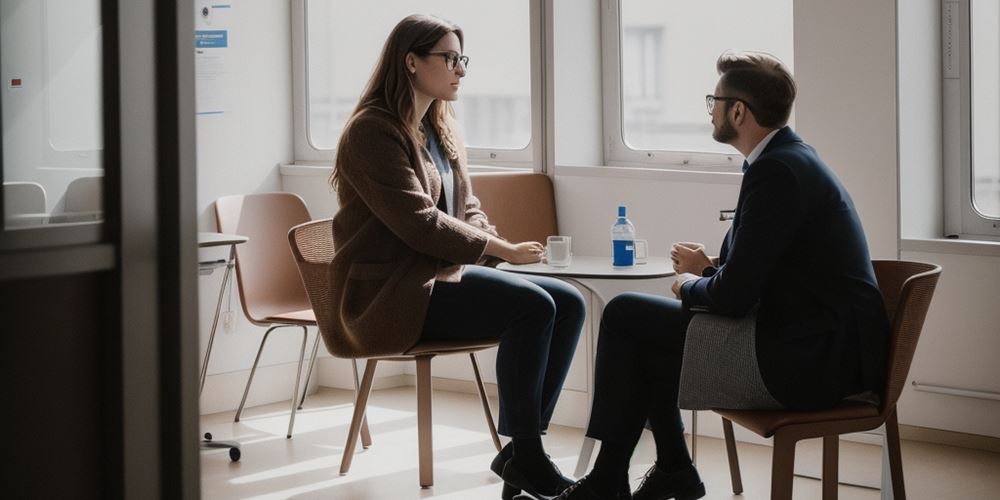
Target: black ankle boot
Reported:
[(536, 476), (681, 484)]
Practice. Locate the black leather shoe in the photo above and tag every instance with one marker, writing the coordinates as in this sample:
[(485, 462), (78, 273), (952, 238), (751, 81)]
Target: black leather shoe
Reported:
[(509, 492), (501, 459), (681, 484), (581, 490), (541, 480)]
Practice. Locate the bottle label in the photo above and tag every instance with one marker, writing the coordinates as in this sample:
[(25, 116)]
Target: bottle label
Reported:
[(622, 253)]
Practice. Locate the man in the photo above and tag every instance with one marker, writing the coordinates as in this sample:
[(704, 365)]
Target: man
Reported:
[(793, 285)]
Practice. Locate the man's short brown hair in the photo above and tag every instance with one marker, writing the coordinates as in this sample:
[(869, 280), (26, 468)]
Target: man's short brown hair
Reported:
[(761, 80)]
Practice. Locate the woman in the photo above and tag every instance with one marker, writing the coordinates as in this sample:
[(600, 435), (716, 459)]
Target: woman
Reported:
[(409, 233)]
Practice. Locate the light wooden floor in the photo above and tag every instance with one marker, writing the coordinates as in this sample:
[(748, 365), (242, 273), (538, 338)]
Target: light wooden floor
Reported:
[(307, 465)]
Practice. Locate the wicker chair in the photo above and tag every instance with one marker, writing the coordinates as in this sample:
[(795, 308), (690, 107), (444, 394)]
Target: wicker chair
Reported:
[(312, 245), (907, 288)]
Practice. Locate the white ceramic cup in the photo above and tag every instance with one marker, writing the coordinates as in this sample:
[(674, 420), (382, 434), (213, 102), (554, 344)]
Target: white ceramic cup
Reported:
[(641, 249), (558, 251)]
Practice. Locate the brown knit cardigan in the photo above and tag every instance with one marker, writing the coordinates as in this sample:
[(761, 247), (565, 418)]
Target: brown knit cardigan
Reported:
[(391, 240)]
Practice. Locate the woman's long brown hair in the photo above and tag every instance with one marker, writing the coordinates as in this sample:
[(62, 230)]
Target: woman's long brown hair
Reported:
[(391, 87)]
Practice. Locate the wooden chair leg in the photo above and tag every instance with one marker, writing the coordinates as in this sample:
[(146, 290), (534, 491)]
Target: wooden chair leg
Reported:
[(360, 406), (895, 456), (366, 435), (734, 461), (424, 424), (486, 402), (831, 457), (782, 467)]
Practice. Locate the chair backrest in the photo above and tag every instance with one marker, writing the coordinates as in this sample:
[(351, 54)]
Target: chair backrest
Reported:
[(84, 195), (312, 247), (265, 268), (521, 205), (23, 198), (907, 289)]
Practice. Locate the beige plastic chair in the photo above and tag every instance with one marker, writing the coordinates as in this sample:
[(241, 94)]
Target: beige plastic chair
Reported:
[(24, 203), (271, 292), (312, 244), (521, 205), (907, 288)]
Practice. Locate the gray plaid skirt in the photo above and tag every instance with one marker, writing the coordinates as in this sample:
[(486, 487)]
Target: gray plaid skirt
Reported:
[(720, 367)]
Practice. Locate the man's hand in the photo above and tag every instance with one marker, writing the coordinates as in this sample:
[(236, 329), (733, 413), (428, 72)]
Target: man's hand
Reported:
[(689, 258), (681, 279)]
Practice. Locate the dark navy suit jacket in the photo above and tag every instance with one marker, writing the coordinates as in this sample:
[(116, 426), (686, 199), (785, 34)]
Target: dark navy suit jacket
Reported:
[(797, 248)]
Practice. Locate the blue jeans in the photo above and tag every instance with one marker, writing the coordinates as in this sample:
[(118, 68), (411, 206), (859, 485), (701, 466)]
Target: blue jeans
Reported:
[(537, 320)]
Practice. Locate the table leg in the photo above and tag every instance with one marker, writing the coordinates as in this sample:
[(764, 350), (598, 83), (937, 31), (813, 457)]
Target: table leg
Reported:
[(215, 320)]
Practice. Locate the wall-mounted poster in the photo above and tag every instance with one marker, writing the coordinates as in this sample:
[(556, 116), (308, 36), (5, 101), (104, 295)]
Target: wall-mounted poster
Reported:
[(211, 46)]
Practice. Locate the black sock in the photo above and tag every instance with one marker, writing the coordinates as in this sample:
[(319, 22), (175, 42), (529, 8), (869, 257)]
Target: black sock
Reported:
[(671, 451), (610, 474), (530, 448)]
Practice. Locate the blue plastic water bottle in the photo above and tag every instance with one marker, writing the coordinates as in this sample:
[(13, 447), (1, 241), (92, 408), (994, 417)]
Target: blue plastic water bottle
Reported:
[(622, 241)]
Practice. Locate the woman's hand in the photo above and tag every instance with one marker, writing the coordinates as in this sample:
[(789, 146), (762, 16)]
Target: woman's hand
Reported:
[(689, 258), (527, 252)]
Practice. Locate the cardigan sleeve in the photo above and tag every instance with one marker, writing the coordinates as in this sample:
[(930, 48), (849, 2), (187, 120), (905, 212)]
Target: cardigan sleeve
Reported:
[(374, 159)]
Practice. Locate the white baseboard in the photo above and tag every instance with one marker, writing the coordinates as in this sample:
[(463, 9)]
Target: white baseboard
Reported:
[(271, 384)]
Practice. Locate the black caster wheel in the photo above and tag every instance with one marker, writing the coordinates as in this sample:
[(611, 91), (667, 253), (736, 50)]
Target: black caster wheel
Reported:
[(208, 436), (234, 454)]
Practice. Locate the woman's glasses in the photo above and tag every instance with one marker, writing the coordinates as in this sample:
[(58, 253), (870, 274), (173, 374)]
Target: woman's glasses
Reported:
[(451, 59)]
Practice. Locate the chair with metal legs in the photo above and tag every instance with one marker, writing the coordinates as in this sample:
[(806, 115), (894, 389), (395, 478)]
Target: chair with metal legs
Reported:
[(271, 292)]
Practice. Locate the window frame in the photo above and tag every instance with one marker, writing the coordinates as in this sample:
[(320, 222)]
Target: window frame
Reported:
[(617, 152), (961, 218), (532, 156)]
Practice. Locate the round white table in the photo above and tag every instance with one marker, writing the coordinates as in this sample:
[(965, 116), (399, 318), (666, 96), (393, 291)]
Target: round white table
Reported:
[(581, 269)]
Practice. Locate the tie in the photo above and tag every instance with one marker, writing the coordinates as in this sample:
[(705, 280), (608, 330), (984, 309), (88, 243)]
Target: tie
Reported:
[(745, 166)]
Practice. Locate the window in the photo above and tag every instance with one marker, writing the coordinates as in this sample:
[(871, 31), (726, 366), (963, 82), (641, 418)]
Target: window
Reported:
[(495, 106), (971, 72), (665, 53), (53, 116)]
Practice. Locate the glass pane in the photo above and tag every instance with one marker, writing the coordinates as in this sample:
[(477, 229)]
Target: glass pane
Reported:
[(50, 55), (494, 106), (985, 15), (668, 64)]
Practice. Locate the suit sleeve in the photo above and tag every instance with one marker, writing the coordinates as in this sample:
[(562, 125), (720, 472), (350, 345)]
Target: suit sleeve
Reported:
[(374, 159), (770, 214)]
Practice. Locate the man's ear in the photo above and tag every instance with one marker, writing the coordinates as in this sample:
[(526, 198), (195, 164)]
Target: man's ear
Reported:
[(739, 112)]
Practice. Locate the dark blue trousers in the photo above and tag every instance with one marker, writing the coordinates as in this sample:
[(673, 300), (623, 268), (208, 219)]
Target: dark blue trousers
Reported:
[(637, 374), (538, 321)]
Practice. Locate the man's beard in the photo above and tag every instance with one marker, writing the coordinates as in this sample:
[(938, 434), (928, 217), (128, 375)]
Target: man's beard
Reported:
[(724, 133)]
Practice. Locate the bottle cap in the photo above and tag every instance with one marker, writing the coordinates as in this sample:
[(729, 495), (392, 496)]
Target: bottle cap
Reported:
[(621, 211)]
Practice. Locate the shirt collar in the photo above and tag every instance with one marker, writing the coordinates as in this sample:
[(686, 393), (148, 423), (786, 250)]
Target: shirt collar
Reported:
[(759, 148)]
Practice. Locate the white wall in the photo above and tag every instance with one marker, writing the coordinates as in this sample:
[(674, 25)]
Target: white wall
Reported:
[(239, 152), (845, 67), (920, 119), (960, 340)]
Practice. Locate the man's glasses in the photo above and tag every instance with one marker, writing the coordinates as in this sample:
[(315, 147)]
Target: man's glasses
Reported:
[(451, 59), (710, 101)]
